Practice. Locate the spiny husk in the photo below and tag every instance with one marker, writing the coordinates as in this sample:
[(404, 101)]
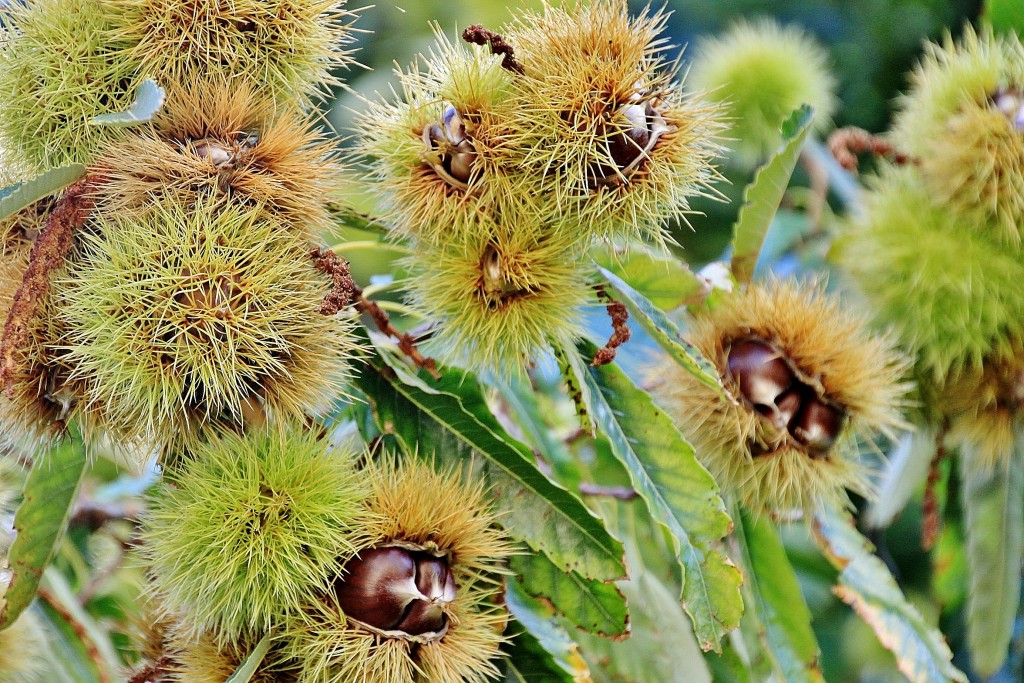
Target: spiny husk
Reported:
[(983, 408), (204, 658), (418, 201), (833, 349), (952, 295), (267, 157), (502, 295), (24, 652), (583, 65), (971, 155), (183, 316), (760, 71), (250, 527), (60, 66), (415, 504), (284, 49)]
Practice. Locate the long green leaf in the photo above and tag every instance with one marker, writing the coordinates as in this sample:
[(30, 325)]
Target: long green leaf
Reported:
[(783, 615), (678, 492), (762, 198), (17, 197), (593, 606), (67, 656), (865, 583), (455, 425), (664, 280), (542, 650), (666, 334), (40, 521), (247, 669), (149, 97), (993, 505)]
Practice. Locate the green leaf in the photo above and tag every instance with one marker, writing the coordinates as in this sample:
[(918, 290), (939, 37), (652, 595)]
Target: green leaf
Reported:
[(664, 280), (59, 591), (905, 470), (456, 426), (865, 584), (20, 195), (762, 197), (662, 647), (542, 650), (247, 669), (666, 334), (678, 492), (67, 657), (348, 217), (593, 606), (40, 521), (785, 620), (1006, 16), (993, 504), (149, 97)]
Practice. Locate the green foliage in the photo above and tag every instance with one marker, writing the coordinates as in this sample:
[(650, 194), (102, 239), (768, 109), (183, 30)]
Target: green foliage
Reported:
[(48, 497), (16, 197)]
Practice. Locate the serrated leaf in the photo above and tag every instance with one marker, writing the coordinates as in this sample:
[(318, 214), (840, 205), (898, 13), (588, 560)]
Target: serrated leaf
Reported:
[(762, 197), (783, 616), (149, 97), (662, 647), (456, 426), (542, 650), (865, 584), (247, 669), (993, 504), (21, 195), (666, 334), (1006, 16), (40, 521), (664, 280), (679, 493), (594, 606)]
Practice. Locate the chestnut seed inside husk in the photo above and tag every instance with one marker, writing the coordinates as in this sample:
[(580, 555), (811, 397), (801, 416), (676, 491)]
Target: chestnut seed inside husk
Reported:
[(393, 588), (770, 384), (448, 137)]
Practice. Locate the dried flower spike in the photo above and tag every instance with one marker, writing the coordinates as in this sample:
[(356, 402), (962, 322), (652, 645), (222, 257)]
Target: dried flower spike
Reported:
[(809, 378)]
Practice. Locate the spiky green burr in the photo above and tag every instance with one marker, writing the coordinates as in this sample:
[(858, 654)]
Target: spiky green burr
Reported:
[(248, 528)]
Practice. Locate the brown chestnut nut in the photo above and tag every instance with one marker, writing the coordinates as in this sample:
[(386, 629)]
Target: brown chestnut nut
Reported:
[(457, 152), (396, 589), (817, 426), (378, 586), (762, 374)]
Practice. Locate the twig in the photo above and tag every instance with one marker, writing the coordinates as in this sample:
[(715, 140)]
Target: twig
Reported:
[(932, 520), (620, 334), (69, 214), (154, 672), (91, 650), (478, 35), (405, 340), (616, 492), (846, 143), (342, 287), (94, 516)]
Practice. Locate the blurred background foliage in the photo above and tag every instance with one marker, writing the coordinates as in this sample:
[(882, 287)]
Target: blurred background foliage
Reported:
[(873, 45)]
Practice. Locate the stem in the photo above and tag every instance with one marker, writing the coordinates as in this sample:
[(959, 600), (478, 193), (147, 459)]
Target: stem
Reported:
[(91, 650), (405, 340), (360, 245)]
